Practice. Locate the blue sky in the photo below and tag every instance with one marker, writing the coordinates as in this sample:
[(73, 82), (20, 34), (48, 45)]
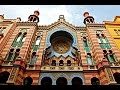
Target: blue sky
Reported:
[(72, 13)]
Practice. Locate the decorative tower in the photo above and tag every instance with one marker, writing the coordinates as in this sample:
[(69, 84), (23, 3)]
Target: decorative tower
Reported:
[(34, 17), (88, 19)]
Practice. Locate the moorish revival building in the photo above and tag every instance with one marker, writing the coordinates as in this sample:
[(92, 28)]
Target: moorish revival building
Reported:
[(57, 54)]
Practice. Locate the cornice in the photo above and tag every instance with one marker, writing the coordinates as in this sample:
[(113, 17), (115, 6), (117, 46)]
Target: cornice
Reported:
[(42, 27), (80, 29), (58, 23), (27, 24), (95, 25)]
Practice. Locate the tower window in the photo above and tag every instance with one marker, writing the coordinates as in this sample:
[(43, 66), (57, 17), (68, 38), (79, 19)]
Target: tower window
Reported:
[(33, 58), (24, 36), (110, 51), (19, 36), (34, 19), (88, 54), (61, 63), (86, 44), (99, 41), (36, 43), (53, 63), (16, 53), (109, 56), (1, 32), (17, 50), (25, 33), (34, 53), (10, 55), (104, 51), (89, 59), (11, 50), (31, 18), (103, 35), (99, 32), (68, 63), (112, 57), (103, 41), (37, 40), (2, 29)]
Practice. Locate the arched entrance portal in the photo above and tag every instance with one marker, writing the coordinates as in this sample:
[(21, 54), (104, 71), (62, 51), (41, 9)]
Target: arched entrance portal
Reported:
[(4, 76), (61, 81), (46, 81), (77, 81), (95, 81), (117, 77), (27, 81)]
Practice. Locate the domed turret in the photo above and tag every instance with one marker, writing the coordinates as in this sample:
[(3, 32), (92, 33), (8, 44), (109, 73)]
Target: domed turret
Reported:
[(34, 17), (1, 17), (88, 19)]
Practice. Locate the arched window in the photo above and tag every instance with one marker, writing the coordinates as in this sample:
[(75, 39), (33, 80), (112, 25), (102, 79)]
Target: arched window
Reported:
[(102, 39), (17, 53), (95, 81), (24, 36), (10, 55), (61, 81), (19, 36), (89, 59), (117, 77), (77, 81), (86, 44), (53, 63), (85, 41), (61, 63), (33, 58), (27, 81), (68, 63), (37, 40), (4, 76), (46, 81), (17, 39), (112, 56), (34, 54), (36, 43)]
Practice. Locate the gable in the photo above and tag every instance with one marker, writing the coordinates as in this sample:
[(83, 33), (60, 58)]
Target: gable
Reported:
[(117, 19)]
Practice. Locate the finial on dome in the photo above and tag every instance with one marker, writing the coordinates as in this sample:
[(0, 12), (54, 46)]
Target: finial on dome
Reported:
[(36, 12), (86, 14)]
